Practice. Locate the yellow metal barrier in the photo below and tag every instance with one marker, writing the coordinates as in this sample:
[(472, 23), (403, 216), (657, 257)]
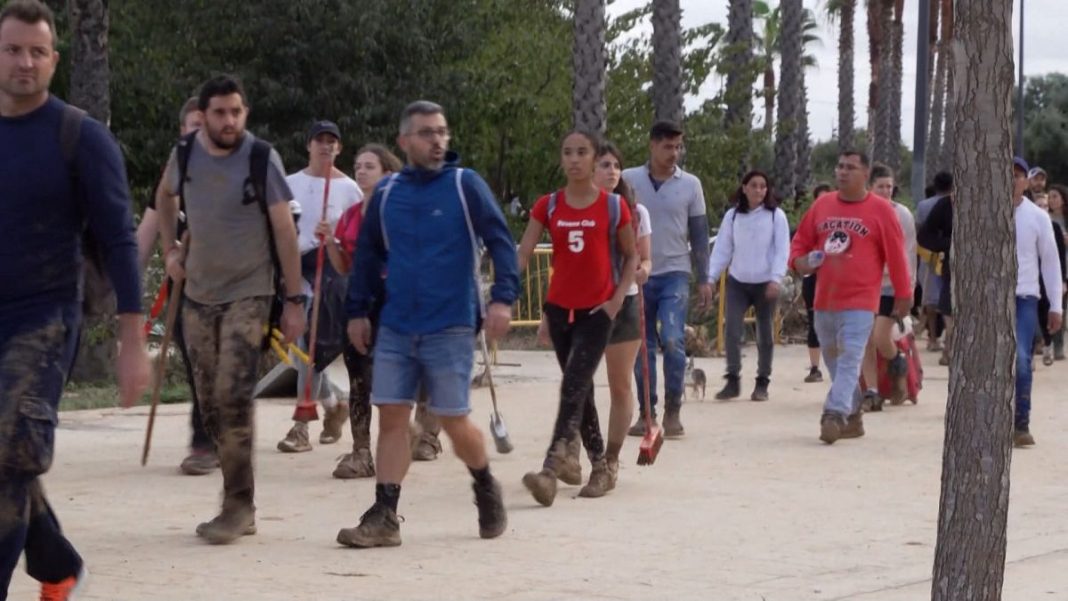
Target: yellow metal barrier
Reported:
[(527, 309), (750, 316)]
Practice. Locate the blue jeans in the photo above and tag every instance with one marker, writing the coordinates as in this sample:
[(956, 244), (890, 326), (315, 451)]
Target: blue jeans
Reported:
[(1026, 325), (36, 351), (666, 298), (843, 336), (441, 362)]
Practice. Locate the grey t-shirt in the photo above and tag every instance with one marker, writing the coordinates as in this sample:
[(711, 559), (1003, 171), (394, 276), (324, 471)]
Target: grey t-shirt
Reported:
[(670, 209), (229, 258)]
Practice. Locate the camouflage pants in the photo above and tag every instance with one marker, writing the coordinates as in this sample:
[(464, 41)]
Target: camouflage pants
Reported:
[(360, 369), (225, 343), (36, 351)]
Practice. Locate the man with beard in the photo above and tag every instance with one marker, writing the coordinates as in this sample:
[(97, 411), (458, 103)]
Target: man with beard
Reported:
[(229, 273)]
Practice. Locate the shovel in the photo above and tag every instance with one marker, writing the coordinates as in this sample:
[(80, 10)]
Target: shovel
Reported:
[(497, 429)]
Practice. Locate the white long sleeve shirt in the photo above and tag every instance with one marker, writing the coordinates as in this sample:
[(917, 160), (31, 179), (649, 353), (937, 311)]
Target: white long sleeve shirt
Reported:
[(1036, 252), (753, 247)]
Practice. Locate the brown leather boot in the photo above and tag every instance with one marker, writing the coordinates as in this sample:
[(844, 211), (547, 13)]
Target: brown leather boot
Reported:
[(600, 481), (672, 425), (570, 469)]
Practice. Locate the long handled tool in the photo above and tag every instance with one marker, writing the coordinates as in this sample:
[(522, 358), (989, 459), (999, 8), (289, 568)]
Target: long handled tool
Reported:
[(157, 306), (497, 429), (305, 411), (654, 436), (174, 300)]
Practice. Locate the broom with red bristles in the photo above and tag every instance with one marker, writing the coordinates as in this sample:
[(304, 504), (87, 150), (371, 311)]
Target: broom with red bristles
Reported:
[(654, 436), (305, 410)]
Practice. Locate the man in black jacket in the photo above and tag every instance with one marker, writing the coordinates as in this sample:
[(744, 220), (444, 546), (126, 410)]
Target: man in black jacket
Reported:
[(936, 235)]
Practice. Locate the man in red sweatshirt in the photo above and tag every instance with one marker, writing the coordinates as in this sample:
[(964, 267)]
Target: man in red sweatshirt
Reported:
[(849, 236)]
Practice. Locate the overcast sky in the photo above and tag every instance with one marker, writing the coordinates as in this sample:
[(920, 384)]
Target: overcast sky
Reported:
[(1041, 55)]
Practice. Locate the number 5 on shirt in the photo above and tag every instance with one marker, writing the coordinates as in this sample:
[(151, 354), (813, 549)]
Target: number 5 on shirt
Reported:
[(575, 242)]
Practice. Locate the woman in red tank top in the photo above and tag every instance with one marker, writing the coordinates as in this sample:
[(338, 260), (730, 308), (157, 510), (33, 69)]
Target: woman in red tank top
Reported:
[(584, 297)]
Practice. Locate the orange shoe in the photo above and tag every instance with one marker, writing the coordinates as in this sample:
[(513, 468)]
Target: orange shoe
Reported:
[(64, 590)]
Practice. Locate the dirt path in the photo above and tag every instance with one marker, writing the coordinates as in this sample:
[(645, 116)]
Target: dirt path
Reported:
[(749, 506)]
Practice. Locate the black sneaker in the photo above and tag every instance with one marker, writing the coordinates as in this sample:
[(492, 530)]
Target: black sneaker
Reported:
[(379, 527), (731, 390), (492, 519), (814, 375)]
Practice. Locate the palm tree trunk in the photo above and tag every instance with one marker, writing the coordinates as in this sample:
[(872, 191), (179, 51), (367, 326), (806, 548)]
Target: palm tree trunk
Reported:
[(789, 96), (969, 561), (90, 79), (938, 98), (589, 111), (949, 136), (769, 99), (882, 148), (667, 60), (739, 62), (874, 61), (846, 118), (803, 173), (894, 126)]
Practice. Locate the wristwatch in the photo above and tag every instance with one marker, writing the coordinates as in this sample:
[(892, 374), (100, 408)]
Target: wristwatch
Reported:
[(297, 299)]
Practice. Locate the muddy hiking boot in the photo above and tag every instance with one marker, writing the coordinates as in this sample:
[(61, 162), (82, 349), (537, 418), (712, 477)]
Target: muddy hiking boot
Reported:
[(333, 423), (426, 446), (831, 425), (492, 519), (542, 484), (227, 527), (731, 390), (569, 471), (672, 424), (760, 391), (613, 471), (854, 426), (600, 481), (871, 401), (357, 464), (898, 370), (638, 429), (296, 441), (200, 462), (379, 527), (814, 375), (1021, 437)]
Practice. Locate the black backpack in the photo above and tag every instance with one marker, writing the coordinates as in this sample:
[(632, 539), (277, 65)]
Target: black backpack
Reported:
[(255, 190), (96, 289)]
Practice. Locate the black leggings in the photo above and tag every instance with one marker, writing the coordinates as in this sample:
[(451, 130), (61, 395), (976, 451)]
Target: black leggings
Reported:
[(579, 338), (808, 293)]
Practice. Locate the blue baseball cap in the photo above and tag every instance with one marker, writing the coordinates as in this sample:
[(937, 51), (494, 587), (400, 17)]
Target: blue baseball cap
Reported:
[(324, 127), (1019, 163)]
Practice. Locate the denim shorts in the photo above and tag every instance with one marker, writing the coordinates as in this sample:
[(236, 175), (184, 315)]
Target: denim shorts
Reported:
[(442, 361)]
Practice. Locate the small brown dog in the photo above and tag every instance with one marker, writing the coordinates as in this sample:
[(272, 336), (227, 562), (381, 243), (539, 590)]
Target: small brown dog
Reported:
[(695, 380)]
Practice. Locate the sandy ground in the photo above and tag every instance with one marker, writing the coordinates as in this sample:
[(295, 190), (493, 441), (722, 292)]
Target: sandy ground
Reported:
[(749, 506)]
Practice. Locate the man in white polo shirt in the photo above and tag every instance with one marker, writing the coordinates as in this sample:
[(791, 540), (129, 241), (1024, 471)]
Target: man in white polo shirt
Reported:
[(676, 204), (324, 146), (1036, 252)]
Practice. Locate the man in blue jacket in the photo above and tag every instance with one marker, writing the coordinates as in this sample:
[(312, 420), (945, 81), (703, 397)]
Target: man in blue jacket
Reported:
[(60, 174), (420, 240)]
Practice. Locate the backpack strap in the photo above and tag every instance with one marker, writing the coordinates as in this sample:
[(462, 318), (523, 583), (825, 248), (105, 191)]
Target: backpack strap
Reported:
[(259, 161), (70, 132), (551, 208), (182, 152), (614, 217), (476, 243), (382, 208)]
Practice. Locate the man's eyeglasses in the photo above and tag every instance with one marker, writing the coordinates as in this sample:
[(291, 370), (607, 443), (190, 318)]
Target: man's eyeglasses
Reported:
[(430, 133)]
